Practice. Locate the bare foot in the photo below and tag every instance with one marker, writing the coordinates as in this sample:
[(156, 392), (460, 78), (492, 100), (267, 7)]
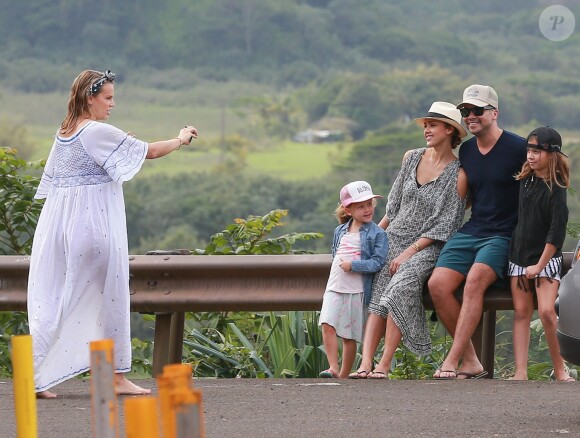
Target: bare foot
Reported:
[(124, 386), (445, 374), (446, 370), (45, 395), (565, 377), (519, 376)]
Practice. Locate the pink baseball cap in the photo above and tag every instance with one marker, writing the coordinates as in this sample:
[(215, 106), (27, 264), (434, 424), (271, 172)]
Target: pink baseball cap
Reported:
[(356, 191)]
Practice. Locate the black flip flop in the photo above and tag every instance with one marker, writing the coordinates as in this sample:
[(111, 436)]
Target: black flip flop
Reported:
[(469, 375), (359, 374)]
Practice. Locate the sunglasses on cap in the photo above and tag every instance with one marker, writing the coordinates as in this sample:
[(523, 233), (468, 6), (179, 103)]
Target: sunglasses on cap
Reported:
[(547, 147), (476, 110)]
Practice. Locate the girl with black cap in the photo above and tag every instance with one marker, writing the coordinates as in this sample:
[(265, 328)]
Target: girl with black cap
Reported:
[(536, 246)]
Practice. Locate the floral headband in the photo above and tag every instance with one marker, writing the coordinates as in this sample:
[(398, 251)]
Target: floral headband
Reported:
[(107, 76)]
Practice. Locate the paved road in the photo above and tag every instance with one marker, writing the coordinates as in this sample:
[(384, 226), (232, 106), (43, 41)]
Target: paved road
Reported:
[(346, 408)]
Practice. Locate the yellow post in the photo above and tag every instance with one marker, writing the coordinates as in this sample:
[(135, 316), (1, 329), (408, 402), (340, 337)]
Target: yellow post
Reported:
[(141, 417), (173, 376), (103, 396), (23, 383)]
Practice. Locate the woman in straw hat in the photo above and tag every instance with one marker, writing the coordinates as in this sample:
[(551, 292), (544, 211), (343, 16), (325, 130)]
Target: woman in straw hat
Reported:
[(425, 207)]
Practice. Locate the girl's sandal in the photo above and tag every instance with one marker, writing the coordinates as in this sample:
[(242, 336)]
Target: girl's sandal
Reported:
[(328, 374)]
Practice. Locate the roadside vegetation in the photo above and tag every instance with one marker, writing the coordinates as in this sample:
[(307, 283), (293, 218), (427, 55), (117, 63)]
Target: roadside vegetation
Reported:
[(251, 76)]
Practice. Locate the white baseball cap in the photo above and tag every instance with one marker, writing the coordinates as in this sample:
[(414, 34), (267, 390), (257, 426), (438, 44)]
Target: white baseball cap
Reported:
[(356, 191), (479, 95)]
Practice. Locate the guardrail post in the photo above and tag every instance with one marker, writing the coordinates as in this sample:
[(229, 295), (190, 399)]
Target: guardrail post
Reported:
[(160, 342), (488, 342), (176, 337)]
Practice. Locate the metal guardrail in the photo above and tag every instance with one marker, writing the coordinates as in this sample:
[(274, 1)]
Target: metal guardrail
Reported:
[(170, 285)]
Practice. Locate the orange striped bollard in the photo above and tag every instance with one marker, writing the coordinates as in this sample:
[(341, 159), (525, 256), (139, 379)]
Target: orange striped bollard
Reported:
[(103, 396), (23, 383)]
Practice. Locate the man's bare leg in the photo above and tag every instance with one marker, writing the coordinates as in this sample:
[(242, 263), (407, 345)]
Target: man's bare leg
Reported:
[(45, 395), (442, 286), (479, 278)]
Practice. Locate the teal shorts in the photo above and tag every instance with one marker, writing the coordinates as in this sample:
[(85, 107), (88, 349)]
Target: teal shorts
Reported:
[(462, 251)]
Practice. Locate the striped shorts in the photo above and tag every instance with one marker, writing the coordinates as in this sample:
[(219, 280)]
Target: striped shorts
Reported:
[(552, 270)]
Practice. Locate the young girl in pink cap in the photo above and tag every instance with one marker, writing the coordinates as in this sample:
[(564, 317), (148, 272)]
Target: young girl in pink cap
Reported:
[(359, 249), (535, 260)]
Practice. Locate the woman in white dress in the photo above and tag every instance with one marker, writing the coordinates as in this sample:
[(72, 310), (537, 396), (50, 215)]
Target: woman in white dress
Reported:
[(78, 288)]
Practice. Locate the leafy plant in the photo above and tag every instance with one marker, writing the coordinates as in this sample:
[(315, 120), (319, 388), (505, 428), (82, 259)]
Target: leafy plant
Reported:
[(295, 344), (11, 323), (248, 236), (407, 365), (142, 353), (271, 345), (18, 217), (19, 211)]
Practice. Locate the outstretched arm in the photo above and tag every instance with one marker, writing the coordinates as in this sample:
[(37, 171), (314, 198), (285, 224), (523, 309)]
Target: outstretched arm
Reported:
[(161, 148)]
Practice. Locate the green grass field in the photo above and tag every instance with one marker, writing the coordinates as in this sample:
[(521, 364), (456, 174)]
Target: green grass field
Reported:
[(288, 161), (157, 114)]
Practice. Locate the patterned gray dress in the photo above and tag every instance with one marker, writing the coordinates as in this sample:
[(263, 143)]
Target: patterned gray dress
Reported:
[(433, 210)]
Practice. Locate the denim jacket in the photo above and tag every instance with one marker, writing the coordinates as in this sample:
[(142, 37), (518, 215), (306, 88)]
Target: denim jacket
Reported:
[(374, 247)]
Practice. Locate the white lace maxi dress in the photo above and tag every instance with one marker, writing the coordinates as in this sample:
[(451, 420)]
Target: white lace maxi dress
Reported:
[(433, 210), (78, 289)]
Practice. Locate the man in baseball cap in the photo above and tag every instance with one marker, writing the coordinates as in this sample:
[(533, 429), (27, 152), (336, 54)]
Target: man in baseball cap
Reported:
[(477, 253), (479, 95)]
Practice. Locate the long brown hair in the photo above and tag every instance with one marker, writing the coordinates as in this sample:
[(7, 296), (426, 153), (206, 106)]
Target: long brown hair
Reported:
[(455, 137), (558, 169), (78, 105)]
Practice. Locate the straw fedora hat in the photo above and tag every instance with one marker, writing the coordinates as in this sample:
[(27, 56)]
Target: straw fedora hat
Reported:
[(446, 112)]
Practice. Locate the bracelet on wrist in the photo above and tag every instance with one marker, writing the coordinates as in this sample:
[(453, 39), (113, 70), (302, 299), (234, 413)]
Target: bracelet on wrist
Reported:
[(416, 246), (179, 140)]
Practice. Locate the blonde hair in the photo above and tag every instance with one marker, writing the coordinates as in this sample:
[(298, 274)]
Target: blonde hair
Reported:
[(78, 103), (558, 170), (343, 215)]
